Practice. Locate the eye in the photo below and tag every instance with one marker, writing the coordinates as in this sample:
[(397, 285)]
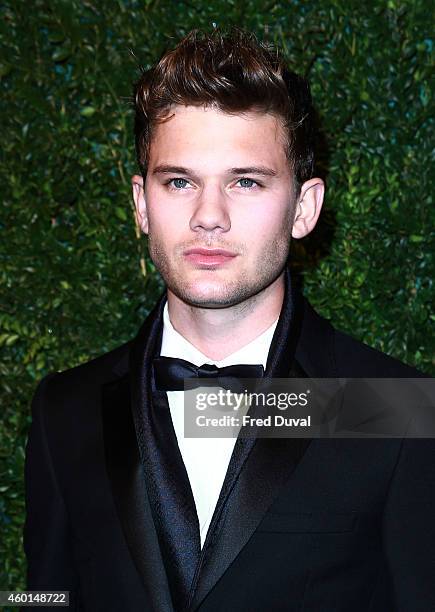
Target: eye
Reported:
[(178, 183), (247, 183)]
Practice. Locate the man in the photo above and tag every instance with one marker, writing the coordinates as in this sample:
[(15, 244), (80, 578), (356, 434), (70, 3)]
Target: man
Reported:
[(126, 513)]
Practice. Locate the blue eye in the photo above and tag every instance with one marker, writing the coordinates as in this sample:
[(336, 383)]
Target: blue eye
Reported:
[(179, 183), (247, 183)]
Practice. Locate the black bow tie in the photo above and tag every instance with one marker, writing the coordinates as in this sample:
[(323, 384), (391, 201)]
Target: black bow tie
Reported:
[(169, 373)]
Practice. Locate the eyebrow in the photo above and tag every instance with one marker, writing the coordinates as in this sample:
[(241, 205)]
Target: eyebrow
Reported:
[(259, 170), (167, 169)]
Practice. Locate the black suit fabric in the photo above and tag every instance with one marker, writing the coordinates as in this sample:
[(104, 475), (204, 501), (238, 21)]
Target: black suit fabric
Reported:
[(338, 525)]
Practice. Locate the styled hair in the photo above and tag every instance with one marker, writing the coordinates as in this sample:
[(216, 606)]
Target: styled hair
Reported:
[(234, 73)]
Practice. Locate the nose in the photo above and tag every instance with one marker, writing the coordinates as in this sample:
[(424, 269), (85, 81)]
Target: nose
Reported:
[(211, 211)]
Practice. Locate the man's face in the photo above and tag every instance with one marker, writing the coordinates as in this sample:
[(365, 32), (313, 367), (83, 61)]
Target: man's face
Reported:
[(219, 204)]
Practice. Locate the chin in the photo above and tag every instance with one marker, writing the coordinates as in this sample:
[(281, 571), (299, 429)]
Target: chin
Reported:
[(212, 294), (207, 296)]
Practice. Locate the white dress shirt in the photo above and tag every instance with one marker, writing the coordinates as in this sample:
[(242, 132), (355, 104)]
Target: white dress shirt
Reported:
[(206, 459)]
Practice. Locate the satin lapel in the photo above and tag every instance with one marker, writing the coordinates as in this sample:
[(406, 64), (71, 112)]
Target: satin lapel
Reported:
[(267, 469), (123, 403), (260, 468)]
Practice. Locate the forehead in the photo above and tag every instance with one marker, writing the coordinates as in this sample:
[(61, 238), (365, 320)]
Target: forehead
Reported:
[(208, 134)]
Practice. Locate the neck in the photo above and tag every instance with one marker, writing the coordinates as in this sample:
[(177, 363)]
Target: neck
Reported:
[(219, 332)]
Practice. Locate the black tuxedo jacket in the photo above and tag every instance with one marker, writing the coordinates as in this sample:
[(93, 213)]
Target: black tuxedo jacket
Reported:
[(322, 525)]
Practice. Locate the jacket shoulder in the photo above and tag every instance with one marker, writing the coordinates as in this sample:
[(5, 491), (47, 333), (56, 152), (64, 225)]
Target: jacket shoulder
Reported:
[(342, 355), (90, 374), (355, 358)]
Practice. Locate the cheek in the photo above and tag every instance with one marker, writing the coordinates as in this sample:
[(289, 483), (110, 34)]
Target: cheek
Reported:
[(163, 225), (265, 222)]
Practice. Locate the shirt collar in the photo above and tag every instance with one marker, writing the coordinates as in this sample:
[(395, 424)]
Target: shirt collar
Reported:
[(176, 345)]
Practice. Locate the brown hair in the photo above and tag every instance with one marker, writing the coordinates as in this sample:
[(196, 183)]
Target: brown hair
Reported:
[(235, 73)]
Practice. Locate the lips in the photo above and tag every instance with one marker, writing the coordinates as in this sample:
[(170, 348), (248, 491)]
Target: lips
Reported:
[(209, 257)]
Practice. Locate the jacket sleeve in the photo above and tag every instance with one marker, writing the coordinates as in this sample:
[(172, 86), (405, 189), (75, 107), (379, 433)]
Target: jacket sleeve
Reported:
[(47, 542), (409, 527)]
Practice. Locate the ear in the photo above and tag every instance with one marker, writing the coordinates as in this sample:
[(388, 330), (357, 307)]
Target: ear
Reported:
[(139, 202), (308, 207)]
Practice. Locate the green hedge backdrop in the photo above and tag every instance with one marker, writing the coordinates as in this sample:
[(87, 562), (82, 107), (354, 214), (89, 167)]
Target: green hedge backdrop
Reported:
[(72, 265)]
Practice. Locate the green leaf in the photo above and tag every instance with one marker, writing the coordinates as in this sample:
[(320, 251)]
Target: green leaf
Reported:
[(61, 54), (11, 339), (87, 111), (4, 69), (120, 213), (56, 36)]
